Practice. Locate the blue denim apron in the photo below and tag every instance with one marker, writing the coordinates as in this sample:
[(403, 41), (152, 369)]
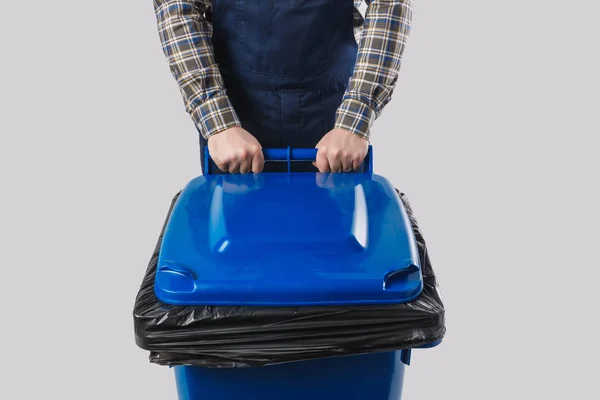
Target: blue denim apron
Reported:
[(286, 66)]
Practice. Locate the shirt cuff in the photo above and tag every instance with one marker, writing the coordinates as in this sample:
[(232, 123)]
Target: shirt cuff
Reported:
[(355, 116), (215, 115)]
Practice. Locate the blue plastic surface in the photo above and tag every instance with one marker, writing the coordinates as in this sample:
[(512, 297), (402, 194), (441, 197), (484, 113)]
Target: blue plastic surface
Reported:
[(288, 239), (291, 154), (378, 376)]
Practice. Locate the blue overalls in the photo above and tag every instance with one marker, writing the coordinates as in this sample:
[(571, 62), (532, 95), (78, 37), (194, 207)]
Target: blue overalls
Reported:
[(286, 66)]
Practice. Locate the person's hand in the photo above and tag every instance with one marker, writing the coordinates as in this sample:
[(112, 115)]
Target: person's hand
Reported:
[(236, 150), (341, 150)]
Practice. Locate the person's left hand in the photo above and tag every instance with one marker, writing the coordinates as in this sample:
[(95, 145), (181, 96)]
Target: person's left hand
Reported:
[(340, 150)]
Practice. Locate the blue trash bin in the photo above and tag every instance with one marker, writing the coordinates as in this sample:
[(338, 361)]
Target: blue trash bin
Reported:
[(376, 376), (291, 239)]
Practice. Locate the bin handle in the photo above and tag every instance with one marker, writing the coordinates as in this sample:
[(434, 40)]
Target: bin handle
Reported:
[(289, 154)]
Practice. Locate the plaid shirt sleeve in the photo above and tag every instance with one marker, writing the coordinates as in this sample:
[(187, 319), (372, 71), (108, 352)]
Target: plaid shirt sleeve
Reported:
[(185, 35), (383, 38)]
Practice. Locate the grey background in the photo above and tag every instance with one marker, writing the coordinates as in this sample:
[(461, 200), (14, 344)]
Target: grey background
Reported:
[(492, 133)]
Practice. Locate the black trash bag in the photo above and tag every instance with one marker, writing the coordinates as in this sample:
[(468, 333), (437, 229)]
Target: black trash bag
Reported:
[(235, 337)]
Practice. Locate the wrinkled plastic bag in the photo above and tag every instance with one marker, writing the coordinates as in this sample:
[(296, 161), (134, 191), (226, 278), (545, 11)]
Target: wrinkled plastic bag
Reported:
[(235, 337)]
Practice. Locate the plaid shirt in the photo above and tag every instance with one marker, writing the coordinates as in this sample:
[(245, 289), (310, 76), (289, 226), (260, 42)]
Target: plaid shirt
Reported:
[(186, 34)]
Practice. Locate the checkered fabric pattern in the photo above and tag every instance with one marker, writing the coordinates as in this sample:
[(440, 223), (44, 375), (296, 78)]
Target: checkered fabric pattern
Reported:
[(382, 33)]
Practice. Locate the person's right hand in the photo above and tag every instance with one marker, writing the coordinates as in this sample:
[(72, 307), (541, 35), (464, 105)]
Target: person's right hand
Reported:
[(236, 150)]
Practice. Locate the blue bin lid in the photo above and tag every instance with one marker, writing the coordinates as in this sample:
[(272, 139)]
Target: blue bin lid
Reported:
[(298, 239)]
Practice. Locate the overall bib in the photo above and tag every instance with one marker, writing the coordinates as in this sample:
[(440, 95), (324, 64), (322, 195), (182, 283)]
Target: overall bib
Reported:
[(286, 66)]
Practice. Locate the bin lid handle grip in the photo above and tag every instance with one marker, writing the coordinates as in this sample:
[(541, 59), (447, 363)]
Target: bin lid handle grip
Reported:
[(298, 154)]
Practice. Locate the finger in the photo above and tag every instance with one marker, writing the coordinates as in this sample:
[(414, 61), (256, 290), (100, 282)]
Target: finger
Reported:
[(356, 163), (245, 162), (321, 162), (223, 166), (258, 161), (346, 164), (335, 163), (245, 166), (234, 167)]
